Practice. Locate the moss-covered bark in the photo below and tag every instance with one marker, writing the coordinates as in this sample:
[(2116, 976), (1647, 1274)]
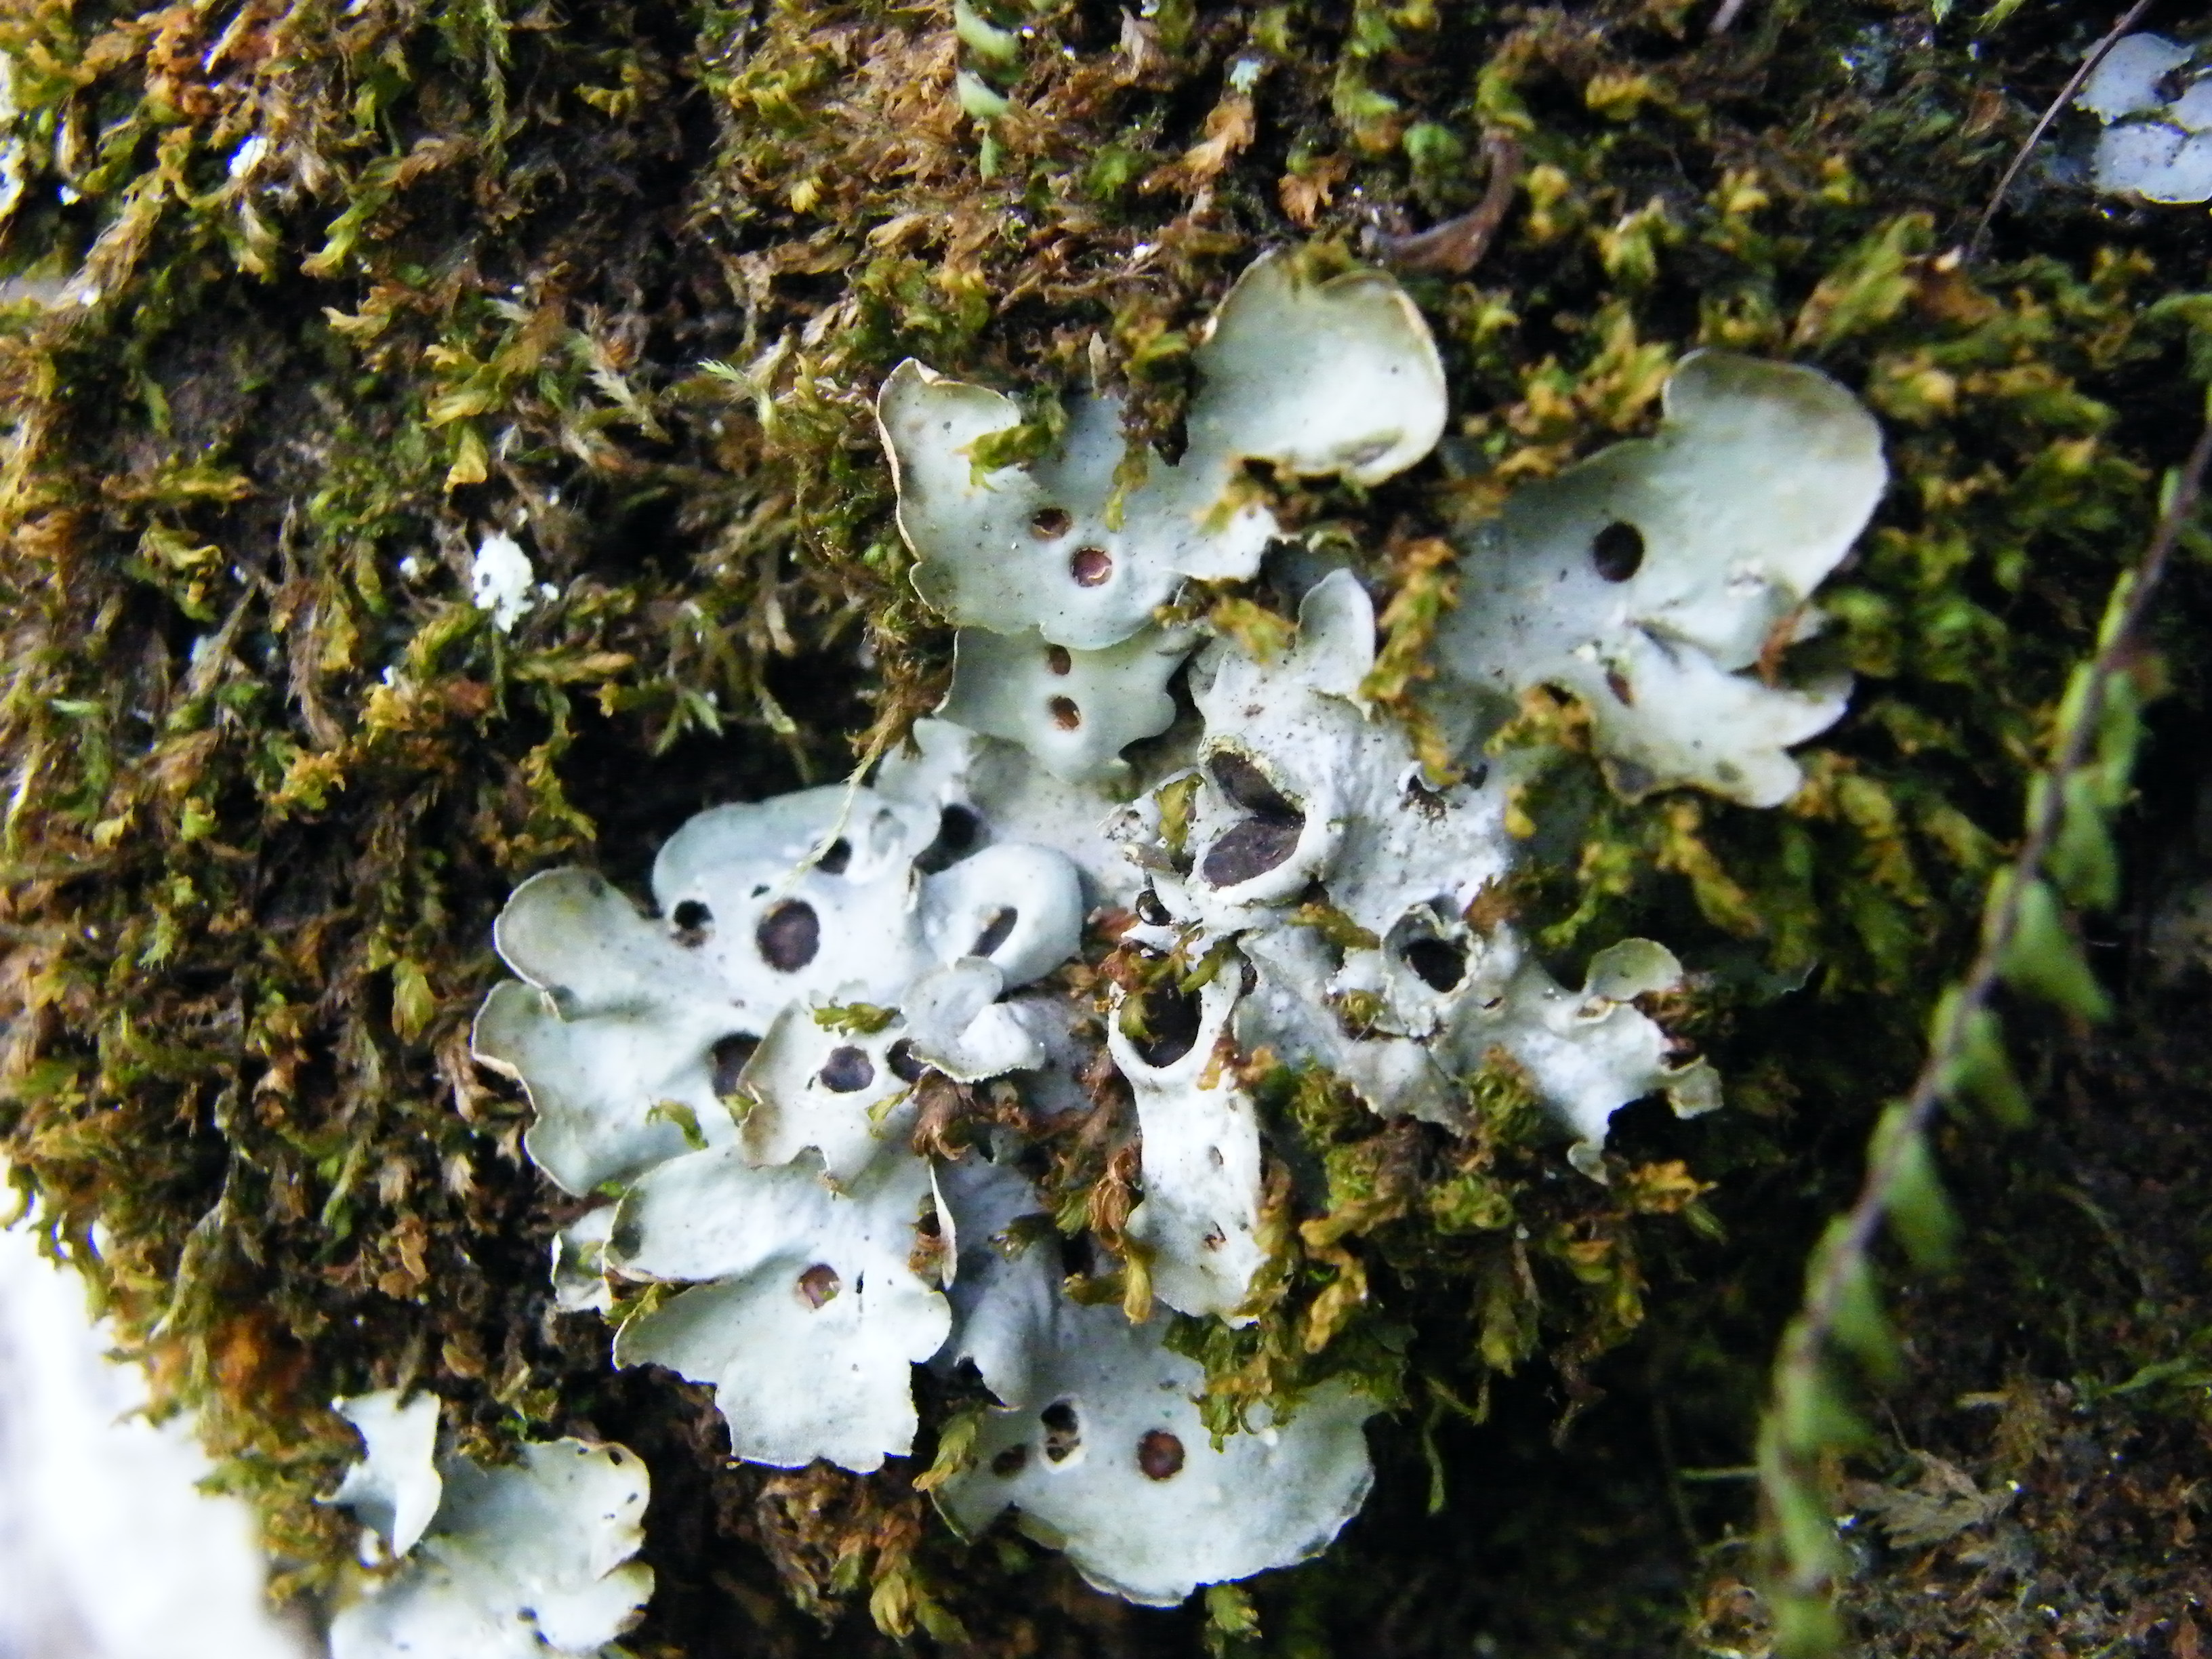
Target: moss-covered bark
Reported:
[(303, 299)]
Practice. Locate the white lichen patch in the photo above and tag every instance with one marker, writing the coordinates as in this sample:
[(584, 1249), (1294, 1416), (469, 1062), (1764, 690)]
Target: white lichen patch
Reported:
[(823, 893), (988, 790), (500, 580), (580, 1274), (1652, 580), (2157, 142), (1336, 377), (2127, 80), (529, 1560), (847, 1094), (395, 1488), (630, 1033), (1411, 1047), (1101, 1451), (614, 1032), (1076, 711), (1296, 782), (808, 895), (1015, 906), (1280, 876), (1299, 793), (2157, 160), (1320, 379), (1589, 1053), (806, 1308), (1003, 1292), (1292, 1012), (1200, 1217), (959, 1026)]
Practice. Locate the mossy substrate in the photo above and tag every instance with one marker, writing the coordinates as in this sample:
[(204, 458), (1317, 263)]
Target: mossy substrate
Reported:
[(302, 300)]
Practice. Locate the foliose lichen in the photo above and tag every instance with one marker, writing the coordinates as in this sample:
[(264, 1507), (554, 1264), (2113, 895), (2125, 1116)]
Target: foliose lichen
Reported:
[(299, 307), (810, 1221), (529, 1557), (2156, 143)]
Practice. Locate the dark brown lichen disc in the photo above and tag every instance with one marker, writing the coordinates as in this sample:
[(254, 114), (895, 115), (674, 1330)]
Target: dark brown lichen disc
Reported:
[(1063, 1431), (1010, 1462), (1616, 550), (847, 1069), (1440, 962), (1170, 1021), (1050, 523), (692, 922), (1057, 659), (1091, 566), (1241, 779), (1160, 1455), (1250, 848), (906, 1065), (957, 828), (789, 935), (1065, 714), (1262, 841), (819, 1283)]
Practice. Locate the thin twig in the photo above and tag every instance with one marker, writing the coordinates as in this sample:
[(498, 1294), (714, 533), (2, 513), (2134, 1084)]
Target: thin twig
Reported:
[(1729, 11), (2113, 38), (1457, 246), (1814, 1330)]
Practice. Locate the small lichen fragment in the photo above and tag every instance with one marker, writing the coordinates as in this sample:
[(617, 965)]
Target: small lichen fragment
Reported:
[(985, 787), (1589, 1053), (1100, 1447), (1335, 377), (580, 1279), (2157, 160), (522, 1561), (630, 1034), (805, 1310), (1200, 1217), (838, 1092), (960, 1026), (1649, 578), (395, 1488), (500, 580), (610, 1021), (2126, 81), (1074, 710), (1014, 905)]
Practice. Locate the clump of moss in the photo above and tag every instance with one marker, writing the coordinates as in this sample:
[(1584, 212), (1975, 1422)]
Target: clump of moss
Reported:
[(301, 301)]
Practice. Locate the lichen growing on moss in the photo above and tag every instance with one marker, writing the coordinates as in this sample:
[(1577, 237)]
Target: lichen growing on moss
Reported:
[(303, 302)]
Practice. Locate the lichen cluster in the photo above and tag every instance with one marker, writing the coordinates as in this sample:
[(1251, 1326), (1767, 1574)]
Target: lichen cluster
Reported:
[(304, 302), (2156, 114), (531, 1558), (824, 962)]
